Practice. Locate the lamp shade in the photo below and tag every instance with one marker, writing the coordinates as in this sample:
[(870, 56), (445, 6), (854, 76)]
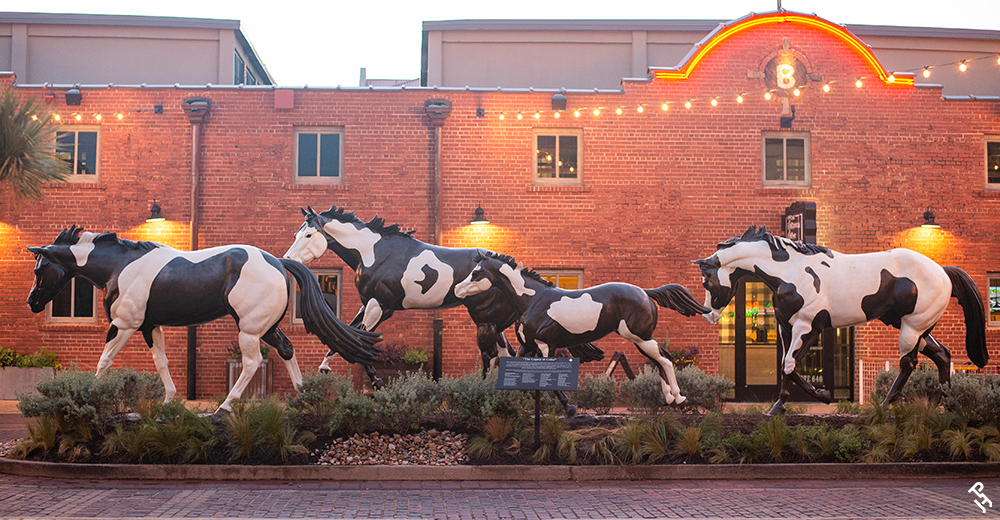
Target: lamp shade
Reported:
[(929, 220), (155, 214), (478, 218)]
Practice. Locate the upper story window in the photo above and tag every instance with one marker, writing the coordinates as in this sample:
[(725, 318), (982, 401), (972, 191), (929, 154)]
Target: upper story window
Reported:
[(785, 158), (994, 319), (319, 155), (74, 305), (329, 283), (239, 69), (558, 156), (569, 279), (79, 147), (993, 162)]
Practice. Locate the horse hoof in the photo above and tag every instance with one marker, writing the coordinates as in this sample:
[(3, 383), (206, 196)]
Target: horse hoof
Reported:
[(219, 416), (824, 395), (570, 410), (680, 399), (777, 409), (377, 383), (324, 371), (669, 398)]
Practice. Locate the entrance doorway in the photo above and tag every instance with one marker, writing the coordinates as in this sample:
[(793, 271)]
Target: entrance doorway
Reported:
[(750, 356)]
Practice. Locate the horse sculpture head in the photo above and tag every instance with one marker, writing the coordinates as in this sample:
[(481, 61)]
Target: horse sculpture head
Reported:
[(51, 277), (310, 240), (496, 270), (720, 286)]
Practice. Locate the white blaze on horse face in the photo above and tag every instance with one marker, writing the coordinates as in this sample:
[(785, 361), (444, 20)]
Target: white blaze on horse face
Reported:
[(81, 250), (309, 245), (468, 287), (576, 315), (361, 240), (516, 280), (416, 297)]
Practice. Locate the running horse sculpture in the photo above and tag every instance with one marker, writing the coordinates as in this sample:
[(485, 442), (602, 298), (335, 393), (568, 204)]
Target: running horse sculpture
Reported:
[(148, 286), (815, 287), (550, 317), (394, 271)]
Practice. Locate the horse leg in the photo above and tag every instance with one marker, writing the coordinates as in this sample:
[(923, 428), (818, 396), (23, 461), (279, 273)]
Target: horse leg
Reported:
[(280, 342), (939, 354), (154, 339), (250, 348), (820, 394), (486, 338), (663, 360), (909, 340), (116, 339), (784, 337)]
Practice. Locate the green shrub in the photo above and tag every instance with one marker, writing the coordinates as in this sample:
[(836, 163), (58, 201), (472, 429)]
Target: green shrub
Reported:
[(596, 393), (923, 383), (468, 393), (415, 356), (401, 403), (259, 432), (41, 358), (354, 413), (169, 434), (705, 391), (643, 394), (8, 358), (975, 396)]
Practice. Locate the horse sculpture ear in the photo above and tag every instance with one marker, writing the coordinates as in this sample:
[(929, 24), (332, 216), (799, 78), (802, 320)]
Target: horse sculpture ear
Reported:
[(304, 214), (38, 250)]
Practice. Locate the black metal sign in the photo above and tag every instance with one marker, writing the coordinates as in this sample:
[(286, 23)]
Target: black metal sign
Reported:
[(799, 222), (538, 374)]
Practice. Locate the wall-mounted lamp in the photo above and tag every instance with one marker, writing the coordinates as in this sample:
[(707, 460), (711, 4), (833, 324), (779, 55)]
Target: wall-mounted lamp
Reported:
[(929, 220), (558, 102), (155, 214), (73, 97), (786, 122), (478, 218)]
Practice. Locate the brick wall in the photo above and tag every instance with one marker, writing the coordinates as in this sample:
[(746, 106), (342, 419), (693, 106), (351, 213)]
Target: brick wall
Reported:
[(660, 189)]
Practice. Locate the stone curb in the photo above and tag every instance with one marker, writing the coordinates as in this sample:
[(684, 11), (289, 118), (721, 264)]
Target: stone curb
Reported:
[(916, 470)]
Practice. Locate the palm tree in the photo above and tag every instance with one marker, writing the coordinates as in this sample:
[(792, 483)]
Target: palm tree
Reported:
[(28, 157)]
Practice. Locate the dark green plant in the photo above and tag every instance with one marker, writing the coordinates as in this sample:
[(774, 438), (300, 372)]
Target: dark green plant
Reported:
[(643, 394), (168, 433), (401, 403), (845, 407), (415, 356), (261, 433), (468, 393), (555, 442), (40, 359), (923, 383), (497, 434), (8, 358), (974, 396), (354, 413), (596, 393), (28, 157), (705, 391)]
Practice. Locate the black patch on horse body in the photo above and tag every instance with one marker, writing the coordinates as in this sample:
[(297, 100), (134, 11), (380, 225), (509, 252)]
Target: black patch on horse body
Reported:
[(112, 333), (824, 263), (430, 278), (895, 298), (815, 278), (778, 246), (185, 293)]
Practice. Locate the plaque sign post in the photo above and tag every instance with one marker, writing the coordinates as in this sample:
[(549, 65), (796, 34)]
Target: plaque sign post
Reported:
[(561, 374)]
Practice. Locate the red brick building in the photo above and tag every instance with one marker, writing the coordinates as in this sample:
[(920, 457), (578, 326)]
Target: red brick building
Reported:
[(635, 198)]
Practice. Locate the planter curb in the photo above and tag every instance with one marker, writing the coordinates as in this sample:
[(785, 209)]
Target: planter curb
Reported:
[(807, 471)]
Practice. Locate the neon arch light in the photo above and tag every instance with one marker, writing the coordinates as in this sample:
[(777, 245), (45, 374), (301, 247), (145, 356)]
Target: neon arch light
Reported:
[(724, 32)]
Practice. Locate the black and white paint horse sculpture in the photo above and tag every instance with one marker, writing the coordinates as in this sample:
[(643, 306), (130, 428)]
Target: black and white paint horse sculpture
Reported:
[(815, 288), (550, 317), (148, 286), (394, 271)]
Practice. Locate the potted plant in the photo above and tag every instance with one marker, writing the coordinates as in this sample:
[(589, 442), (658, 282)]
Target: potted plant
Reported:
[(260, 384), (20, 373)]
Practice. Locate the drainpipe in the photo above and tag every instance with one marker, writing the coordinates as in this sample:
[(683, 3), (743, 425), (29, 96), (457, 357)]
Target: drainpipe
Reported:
[(197, 110), (437, 110)]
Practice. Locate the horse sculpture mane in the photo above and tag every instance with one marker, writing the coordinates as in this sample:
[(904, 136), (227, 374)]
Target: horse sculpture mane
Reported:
[(509, 260), (777, 244), (376, 224), (71, 237)]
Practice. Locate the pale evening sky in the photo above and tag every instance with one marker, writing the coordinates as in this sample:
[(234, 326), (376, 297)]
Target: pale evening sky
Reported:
[(326, 43)]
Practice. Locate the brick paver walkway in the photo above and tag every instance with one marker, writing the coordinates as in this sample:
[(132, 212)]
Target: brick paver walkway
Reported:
[(25, 497)]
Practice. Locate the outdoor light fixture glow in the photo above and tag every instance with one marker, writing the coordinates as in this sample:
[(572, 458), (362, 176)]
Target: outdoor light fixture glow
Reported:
[(478, 218), (927, 72), (576, 113), (538, 115), (639, 109), (739, 98), (79, 117), (502, 117), (597, 111), (34, 117), (618, 110), (556, 115), (98, 117), (891, 78), (962, 66), (120, 116), (715, 102), (797, 92), (519, 116), (56, 117), (826, 87), (929, 220), (155, 214), (767, 96), (664, 107), (858, 83), (687, 104)]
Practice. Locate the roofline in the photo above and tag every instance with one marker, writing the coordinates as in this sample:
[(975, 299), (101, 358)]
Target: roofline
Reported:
[(244, 42), (115, 19), (689, 25)]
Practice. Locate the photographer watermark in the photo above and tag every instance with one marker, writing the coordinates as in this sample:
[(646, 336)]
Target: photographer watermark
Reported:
[(977, 488)]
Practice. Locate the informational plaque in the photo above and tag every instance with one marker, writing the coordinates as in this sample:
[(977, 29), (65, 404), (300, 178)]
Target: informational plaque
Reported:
[(538, 374)]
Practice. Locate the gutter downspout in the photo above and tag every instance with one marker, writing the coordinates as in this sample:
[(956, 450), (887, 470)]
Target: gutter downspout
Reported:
[(437, 110), (197, 110)]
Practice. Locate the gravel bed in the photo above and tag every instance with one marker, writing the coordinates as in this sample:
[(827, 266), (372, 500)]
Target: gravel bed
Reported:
[(431, 448)]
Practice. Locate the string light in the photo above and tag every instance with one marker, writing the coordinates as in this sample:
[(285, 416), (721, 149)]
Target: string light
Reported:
[(664, 107), (962, 66), (639, 109), (826, 87), (858, 83), (797, 92), (891, 78), (618, 110), (998, 59), (597, 112), (538, 115), (519, 116), (715, 102), (576, 113), (34, 117), (767, 95), (79, 117), (687, 104), (556, 115), (502, 116), (56, 117), (121, 116), (98, 117), (927, 72), (739, 98)]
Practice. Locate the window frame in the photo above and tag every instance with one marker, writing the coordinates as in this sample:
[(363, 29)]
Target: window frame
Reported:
[(293, 300), (557, 132), (76, 130), (239, 68), (72, 319), (562, 273), (785, 136), (991, 278), (994, 139), (318, 131)]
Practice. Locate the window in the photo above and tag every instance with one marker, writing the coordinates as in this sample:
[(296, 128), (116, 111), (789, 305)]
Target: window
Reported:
[(558, 156), (319, 156), (570, 280), (238, 69), (74, 304), (786, 159), (993, 162), (251, 79), (994, 320), (329, 283), (78, 147)]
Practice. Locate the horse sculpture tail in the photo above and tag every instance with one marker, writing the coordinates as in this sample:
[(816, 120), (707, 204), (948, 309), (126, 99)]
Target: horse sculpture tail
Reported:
[(355, 345), (587, 352), (971, 300), (677, 297)]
